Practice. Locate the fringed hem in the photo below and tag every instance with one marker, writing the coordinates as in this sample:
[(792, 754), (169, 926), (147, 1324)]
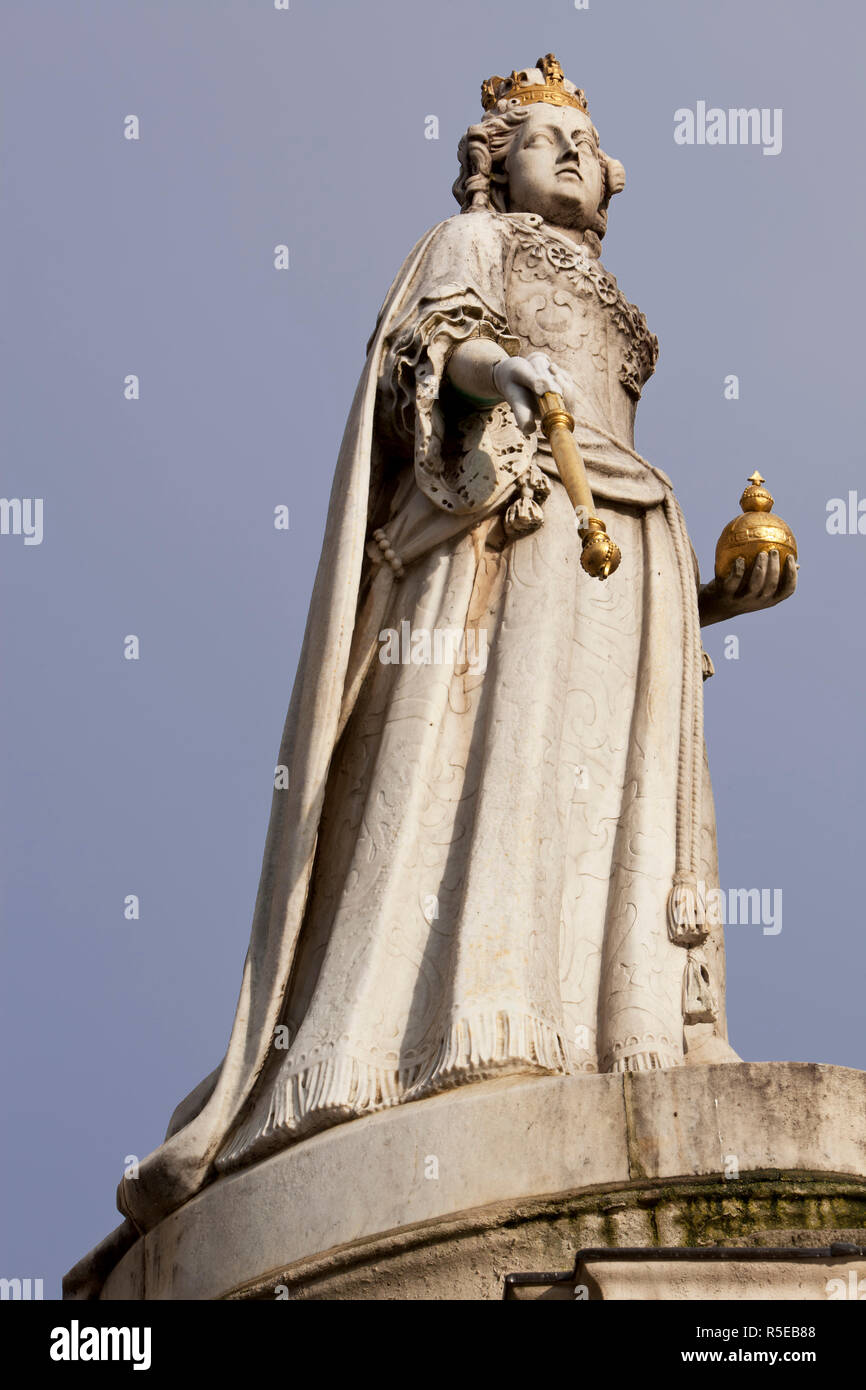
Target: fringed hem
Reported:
[(651, 1052), (340, 1087), (646, 1061)]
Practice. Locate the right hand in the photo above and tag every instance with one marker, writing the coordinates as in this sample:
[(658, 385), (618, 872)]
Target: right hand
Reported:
[(521, 380)]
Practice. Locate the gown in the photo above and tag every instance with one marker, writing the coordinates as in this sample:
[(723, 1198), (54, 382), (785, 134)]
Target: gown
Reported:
[(492, 838), (509, 814)]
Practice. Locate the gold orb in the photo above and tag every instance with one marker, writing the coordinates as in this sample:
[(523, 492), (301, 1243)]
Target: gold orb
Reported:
[(600, 555), (756, 530)]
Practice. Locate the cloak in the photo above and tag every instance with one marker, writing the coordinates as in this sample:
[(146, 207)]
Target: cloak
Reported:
[(383, 518)]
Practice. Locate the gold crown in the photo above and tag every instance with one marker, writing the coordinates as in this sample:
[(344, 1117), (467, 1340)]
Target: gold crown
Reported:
[(518, 87)]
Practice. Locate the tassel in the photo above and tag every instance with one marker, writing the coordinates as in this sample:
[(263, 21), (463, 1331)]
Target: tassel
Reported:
[(699, 1001), (524, 515), (686, 913)]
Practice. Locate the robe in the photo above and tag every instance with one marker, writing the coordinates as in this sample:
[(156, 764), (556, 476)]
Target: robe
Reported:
[(497, 814)]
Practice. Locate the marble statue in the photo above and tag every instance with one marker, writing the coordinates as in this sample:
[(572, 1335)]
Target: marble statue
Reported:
[(484, 854)]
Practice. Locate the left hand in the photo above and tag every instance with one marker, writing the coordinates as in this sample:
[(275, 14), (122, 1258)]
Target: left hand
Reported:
[(767, 584)]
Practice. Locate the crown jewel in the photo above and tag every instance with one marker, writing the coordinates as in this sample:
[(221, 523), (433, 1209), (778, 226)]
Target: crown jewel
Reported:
[(524, 87)]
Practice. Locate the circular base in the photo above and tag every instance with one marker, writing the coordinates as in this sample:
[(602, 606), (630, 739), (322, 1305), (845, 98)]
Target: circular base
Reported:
[(443, 1198)]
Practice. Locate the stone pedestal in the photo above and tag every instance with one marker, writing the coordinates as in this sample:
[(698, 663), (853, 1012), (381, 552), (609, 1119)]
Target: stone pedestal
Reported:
[(448, 1197)]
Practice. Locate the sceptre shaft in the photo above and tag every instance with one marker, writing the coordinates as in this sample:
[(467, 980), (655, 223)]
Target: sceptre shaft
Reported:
[(599, 556)]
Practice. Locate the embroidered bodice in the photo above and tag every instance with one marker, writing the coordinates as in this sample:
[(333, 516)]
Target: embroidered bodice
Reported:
[(561, 301)]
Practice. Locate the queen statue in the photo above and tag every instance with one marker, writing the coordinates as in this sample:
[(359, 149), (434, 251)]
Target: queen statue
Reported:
[(492, 814)]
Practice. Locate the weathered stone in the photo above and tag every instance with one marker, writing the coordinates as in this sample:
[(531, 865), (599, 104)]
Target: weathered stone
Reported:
[(530, 1172)]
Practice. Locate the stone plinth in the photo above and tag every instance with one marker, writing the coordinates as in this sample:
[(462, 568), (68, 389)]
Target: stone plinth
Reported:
[(446, 1197)]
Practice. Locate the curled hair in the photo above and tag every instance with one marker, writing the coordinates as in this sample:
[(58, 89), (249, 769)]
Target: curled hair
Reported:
[(482, 183)]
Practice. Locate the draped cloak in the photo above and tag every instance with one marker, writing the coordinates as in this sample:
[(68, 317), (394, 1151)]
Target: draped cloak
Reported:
[(471, 866)]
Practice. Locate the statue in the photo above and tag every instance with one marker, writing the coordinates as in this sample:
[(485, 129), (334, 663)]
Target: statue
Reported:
[(485, 849)]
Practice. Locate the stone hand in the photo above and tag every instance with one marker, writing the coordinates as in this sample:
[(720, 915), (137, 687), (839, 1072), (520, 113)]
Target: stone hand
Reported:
[(766, 585), (521, 380)]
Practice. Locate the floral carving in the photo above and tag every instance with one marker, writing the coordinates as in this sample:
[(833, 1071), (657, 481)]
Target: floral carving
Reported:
[(536, 253)]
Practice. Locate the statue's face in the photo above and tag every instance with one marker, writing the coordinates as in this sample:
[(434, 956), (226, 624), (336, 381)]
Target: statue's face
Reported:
[(553, 167)]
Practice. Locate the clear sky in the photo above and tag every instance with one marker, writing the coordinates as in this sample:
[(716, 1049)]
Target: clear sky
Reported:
[(154, 257)]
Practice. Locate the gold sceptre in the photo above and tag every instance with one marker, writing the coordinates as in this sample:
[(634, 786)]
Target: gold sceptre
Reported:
[(600, 556)]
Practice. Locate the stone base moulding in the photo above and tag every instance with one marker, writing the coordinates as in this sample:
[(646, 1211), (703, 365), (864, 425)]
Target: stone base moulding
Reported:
[(446, 1198), (677, 1273)]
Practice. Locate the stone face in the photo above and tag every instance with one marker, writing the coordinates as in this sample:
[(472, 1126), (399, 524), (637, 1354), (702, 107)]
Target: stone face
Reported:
[(446, 1197)]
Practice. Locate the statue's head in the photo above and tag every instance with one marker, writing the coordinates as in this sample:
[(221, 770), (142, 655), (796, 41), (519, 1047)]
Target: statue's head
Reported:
[(536, 150)]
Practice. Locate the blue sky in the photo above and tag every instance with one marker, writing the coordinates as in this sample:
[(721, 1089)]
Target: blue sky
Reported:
[(155, 258)]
